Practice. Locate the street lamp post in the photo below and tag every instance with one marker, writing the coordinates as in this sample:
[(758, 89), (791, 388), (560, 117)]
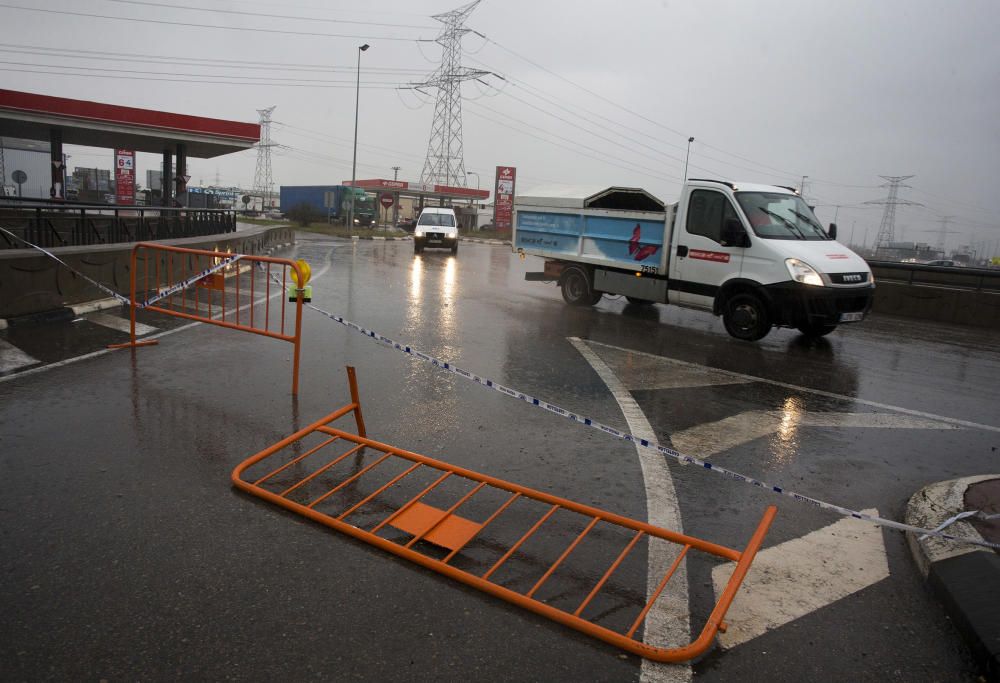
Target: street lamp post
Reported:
[(687, 158), (475, 174), (354, 162)]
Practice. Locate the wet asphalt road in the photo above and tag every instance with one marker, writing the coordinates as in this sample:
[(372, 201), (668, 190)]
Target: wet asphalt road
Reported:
[(127, 555)]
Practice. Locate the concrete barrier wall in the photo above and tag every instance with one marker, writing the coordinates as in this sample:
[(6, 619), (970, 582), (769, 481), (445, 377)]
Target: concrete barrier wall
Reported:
[(941, 304), (33, 283)]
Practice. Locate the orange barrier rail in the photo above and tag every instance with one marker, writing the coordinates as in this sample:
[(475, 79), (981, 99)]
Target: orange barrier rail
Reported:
[(230, 297), (364, 480)]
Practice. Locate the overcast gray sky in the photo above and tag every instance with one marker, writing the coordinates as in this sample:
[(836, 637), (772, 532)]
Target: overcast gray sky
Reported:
[(597, 93)]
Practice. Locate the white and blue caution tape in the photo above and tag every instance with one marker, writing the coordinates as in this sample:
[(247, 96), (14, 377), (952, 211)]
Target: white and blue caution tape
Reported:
[(626, 436), (162, 294), (107, 290), (184, 284)]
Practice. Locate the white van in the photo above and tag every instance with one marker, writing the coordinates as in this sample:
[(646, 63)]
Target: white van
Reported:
[(436, 227), (754, 254)]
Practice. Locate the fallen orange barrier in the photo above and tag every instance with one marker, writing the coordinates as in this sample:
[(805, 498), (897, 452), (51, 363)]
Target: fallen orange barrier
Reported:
[(218, 298), (357, 477)]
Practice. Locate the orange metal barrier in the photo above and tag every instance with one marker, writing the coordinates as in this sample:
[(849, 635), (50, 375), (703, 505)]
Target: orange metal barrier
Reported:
[(230, 297), (330, 475)]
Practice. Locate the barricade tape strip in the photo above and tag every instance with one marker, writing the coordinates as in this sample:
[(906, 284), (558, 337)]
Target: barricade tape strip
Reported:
[(173, 289), (107, 290), (626, 436), (184, 284)]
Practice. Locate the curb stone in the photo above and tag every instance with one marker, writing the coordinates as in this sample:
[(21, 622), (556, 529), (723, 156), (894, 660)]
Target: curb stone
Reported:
[(965, 578)]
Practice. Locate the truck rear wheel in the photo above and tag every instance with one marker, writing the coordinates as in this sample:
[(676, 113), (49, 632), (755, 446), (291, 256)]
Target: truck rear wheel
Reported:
[(576, 290), (746, 317), (816, 329)]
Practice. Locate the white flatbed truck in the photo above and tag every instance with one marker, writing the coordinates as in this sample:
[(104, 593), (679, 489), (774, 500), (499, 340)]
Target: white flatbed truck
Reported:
[(754, 254)]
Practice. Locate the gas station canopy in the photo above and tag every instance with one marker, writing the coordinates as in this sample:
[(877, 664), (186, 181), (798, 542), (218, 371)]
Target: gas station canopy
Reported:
[(420, 189), (33, 116)]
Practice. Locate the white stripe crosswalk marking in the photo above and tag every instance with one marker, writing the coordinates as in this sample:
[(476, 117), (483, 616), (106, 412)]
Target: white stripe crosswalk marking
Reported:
[(121, 324), (13, 358)]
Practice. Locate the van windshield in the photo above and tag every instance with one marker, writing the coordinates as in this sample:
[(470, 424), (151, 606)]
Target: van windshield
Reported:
[(779, 216), (442, 219)]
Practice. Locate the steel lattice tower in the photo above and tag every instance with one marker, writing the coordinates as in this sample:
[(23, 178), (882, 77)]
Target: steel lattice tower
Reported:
[(887, 230), (263, 183), (445, 162)]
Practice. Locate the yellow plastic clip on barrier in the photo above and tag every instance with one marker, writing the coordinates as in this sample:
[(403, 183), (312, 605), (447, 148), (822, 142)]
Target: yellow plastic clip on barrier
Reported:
[(307, 292)]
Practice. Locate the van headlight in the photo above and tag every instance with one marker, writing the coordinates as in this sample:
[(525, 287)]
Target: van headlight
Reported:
[(803, 272)]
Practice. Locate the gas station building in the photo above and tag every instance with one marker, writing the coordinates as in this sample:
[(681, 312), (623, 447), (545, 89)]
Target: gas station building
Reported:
[(60, 120), (425, 194)]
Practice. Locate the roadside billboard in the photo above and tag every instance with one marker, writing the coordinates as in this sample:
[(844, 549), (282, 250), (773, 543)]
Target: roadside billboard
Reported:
[(125, 176), (503, 198)]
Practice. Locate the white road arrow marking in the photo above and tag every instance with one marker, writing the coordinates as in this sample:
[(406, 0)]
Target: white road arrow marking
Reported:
[(794, 578), (12, 358), (121, 324), (671, 365), (710, 438)]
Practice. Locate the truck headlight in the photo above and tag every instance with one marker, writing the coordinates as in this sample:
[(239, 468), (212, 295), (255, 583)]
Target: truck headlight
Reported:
[(356, 221), (803, 272)]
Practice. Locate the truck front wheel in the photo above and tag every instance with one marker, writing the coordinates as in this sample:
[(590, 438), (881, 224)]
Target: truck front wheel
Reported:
[(746, 317), (576, 289)]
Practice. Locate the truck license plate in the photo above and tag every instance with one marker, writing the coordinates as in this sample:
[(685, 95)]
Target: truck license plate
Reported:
[(851, 317)]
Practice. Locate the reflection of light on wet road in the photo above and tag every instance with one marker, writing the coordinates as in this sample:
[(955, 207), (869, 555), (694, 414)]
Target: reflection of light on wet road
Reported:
[(447, 307), (784, 444), (416, 277)]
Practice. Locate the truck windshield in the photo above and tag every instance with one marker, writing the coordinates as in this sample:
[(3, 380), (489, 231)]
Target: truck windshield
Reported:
[(779, 216), (442, 219)]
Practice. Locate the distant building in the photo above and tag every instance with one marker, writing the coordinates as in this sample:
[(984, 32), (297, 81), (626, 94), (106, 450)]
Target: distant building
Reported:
[(33, 159), (93, 184)]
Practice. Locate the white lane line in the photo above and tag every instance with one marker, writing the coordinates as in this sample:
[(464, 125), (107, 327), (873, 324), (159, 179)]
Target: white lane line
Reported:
[(121, 324), (12, 358), (806, 390), (667, 623), (794, 578), (102, 352)]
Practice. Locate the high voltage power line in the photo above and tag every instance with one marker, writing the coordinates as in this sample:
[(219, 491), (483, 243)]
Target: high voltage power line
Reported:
[(189, 24), (69, 53), (202, 8)]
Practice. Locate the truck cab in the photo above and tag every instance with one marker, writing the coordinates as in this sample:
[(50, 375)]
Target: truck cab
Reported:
[(753, 254), (757, 256)]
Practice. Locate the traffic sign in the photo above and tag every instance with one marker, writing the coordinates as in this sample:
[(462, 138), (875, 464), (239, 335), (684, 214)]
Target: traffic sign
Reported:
[(387, 200)]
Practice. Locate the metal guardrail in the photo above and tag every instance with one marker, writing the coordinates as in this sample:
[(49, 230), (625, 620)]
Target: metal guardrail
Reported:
[(50, 224), (918, 274)]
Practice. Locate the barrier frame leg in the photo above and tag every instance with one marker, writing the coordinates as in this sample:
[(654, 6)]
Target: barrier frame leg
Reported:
[(133, 342)]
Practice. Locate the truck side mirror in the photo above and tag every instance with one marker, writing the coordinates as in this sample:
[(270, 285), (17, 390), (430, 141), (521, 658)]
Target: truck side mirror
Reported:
[(733, 234), (832, 232)]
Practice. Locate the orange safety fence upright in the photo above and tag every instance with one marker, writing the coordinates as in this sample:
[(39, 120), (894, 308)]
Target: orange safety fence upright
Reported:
[(569, 562), (217, 288)]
